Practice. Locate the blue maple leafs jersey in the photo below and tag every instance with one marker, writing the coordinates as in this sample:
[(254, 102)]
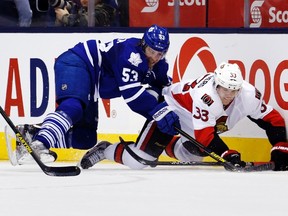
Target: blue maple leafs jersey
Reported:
[(120, 68)]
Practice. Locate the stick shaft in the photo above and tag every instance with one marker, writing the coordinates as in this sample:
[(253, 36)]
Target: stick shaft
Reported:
[(250, 167), (212, 154)]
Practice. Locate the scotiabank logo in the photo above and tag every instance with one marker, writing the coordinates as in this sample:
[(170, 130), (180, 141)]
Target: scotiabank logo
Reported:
[(187, 2), (278, 16), (152, 5), (275, 84), (256, 15)]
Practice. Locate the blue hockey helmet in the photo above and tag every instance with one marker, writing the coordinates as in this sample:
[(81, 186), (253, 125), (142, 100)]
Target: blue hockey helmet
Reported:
[(157, 38)]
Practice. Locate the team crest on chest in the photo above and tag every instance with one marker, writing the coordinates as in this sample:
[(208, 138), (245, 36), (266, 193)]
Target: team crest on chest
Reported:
[(135, 59), (221, 126)]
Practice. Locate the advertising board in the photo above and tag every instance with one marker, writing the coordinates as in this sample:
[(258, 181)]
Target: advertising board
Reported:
[(27, 78)]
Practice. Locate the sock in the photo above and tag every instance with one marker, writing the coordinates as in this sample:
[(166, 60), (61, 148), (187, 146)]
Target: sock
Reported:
[(53, 130)]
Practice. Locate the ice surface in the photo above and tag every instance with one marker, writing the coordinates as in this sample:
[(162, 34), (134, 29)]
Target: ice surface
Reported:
[(114, 190)]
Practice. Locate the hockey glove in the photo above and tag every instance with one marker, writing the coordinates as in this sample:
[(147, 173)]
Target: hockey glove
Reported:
[(279, 155), (166, 119), (233, 157)]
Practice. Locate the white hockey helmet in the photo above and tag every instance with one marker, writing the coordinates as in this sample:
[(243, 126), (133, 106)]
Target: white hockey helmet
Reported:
[(228, 76)]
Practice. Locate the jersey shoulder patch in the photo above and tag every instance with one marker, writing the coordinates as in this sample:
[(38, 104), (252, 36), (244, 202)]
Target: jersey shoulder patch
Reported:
[(257, 94)]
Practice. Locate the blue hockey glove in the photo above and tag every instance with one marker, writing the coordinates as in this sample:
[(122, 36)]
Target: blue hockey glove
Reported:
[(166, 119)]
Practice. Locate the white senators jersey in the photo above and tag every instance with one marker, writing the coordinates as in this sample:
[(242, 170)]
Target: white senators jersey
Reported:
[(201, 111)]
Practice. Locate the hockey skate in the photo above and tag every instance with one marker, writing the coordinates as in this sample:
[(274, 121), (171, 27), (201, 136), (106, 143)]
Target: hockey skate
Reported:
[(94, 155), (21, 156), (45, 155)]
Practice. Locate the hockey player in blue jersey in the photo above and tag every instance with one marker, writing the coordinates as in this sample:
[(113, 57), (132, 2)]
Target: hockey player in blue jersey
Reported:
[(93, 70)]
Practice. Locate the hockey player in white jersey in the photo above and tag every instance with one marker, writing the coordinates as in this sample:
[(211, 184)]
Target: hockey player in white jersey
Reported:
[(93, 70), (208, 106)]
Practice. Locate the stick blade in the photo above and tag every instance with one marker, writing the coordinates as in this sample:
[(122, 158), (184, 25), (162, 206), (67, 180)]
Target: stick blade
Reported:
[(259, 166), (61, 171), (10, 141)]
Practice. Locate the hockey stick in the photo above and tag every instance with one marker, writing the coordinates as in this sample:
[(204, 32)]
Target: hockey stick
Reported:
[(51, 171), (8, 139), (250, 167), (186, 163), (164, 163)]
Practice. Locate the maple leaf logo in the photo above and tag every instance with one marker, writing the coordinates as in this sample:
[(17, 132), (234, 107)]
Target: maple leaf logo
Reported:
[(135, 59)]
